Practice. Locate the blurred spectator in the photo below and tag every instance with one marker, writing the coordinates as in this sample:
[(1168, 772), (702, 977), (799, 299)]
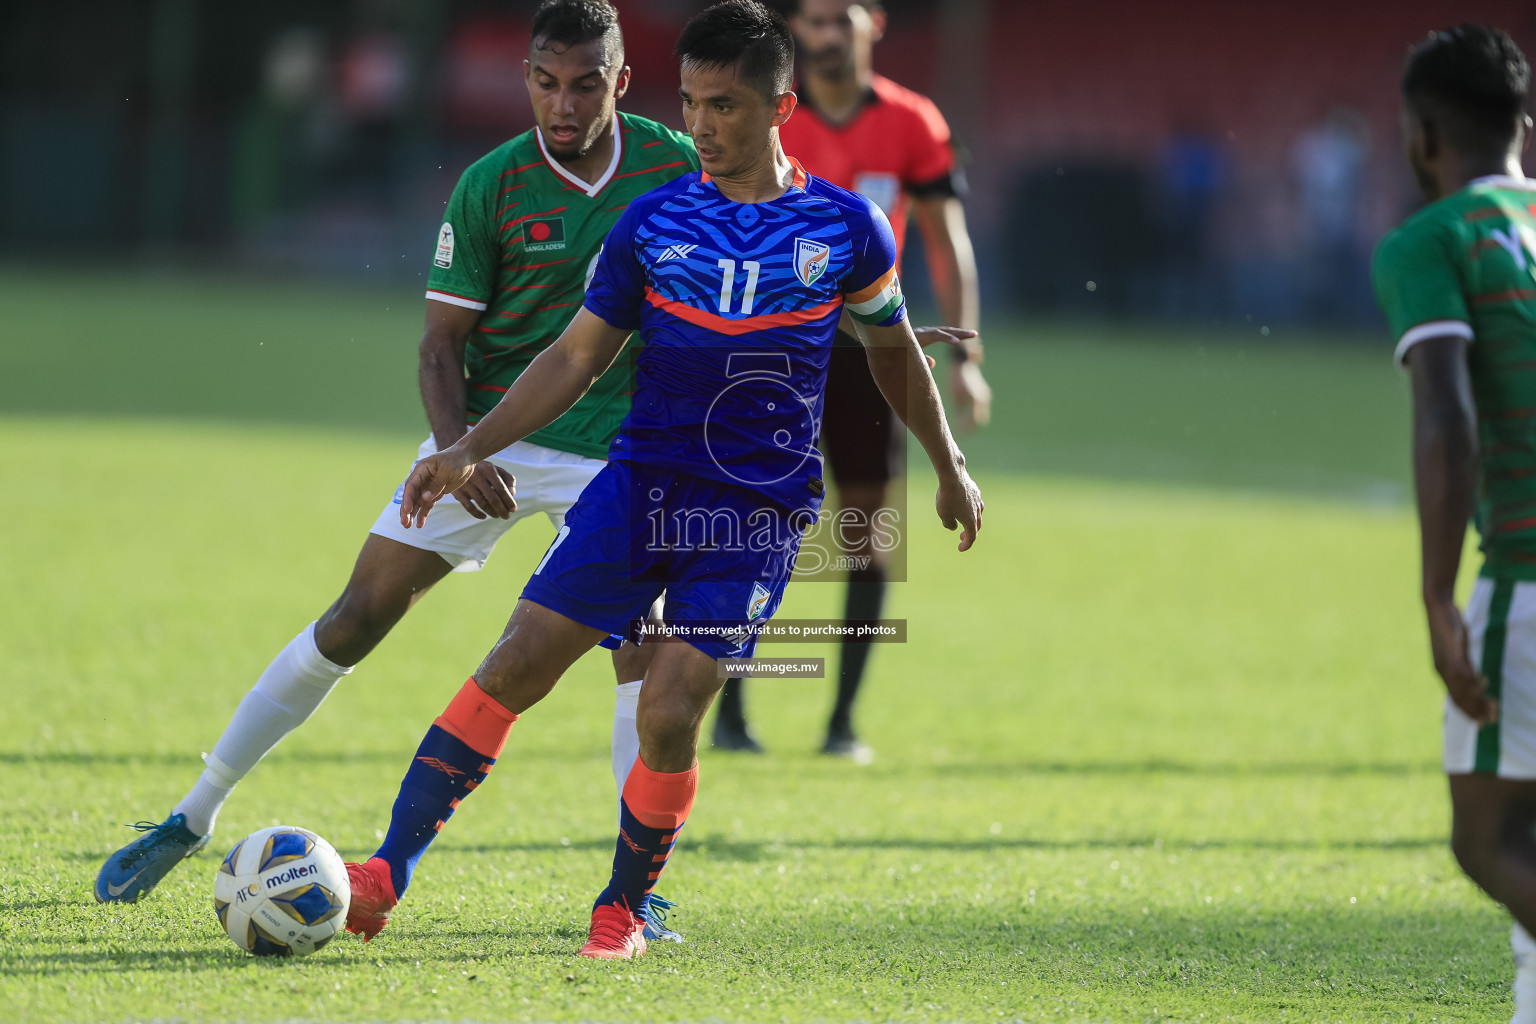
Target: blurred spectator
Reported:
[(484, 92), (1329, 162), (1192, 174), (374, 75), (372, 78), (285, 131)]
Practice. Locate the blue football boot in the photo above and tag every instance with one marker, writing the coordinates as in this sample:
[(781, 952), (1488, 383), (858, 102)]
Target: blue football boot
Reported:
[(656, 929), (138, 867)]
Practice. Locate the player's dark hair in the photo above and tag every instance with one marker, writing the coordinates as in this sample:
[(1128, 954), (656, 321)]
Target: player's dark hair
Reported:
[(1478, 75), (567, 23), (745, 35)]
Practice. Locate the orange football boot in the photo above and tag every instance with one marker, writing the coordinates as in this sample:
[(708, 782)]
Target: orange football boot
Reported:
[(373, 897), (616, 934)]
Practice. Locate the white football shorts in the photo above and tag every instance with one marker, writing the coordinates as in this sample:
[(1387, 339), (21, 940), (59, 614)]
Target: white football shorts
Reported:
[(1501, 623), (548, 481)]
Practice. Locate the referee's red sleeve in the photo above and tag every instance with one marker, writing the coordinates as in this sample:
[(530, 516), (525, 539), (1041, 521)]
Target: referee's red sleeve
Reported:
[(932, 156)]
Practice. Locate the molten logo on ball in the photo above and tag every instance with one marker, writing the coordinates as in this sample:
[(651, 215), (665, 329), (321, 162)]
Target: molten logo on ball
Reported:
[(282, 891)]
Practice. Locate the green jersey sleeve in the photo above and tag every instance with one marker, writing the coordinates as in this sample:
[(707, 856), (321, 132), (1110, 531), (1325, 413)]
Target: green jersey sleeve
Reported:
[(1419, 286), (467, 258)]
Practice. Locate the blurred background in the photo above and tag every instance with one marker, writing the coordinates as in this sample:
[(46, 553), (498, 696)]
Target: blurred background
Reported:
[(226, 211), (1196, 160)]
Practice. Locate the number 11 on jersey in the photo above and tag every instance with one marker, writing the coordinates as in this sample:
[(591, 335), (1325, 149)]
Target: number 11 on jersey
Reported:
[(728, 283)]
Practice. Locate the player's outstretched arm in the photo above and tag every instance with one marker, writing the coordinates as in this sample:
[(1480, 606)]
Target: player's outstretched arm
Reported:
[(1445, 455), (551, 384), (900, 370)]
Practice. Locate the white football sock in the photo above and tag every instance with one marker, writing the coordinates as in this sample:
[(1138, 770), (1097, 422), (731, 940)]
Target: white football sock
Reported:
[(1525, 975), (626, 738), (287, 693)]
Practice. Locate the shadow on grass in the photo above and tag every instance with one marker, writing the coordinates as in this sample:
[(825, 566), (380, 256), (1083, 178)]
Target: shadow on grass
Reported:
[(33, 955), (1306, 769), (399, 758), (735, 849), (17, 906), (748, 851)]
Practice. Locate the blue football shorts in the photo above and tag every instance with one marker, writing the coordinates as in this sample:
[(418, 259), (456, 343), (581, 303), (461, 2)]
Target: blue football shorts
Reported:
[(721, 553)]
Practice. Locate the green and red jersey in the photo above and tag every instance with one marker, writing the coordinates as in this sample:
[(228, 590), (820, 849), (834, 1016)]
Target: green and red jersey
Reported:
[(519, 241), (1465, 266)]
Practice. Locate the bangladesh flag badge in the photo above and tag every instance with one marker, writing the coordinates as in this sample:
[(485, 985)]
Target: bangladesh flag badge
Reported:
[(544, 234)]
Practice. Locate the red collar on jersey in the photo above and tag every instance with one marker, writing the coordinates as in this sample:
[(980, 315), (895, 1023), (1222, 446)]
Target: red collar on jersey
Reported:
[(798, 181)]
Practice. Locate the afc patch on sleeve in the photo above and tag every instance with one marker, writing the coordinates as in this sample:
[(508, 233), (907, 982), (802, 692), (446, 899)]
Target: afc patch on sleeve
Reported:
[(444, 256)]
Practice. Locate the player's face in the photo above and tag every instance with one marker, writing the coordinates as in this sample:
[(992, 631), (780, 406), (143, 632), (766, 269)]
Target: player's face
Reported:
[(731, 122), (833, 34), (574, 90)]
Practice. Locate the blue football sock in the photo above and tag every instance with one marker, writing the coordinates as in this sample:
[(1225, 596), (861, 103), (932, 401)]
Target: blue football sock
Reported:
[(443, 772), (638, 858)]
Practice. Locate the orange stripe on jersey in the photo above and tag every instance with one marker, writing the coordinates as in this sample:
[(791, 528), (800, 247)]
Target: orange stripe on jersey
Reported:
[(746, 325), (538, 266), (649, 170), (1517, 524), (531, 216), (1483, 214), (865, 294), (1516, 295), (798, 181)]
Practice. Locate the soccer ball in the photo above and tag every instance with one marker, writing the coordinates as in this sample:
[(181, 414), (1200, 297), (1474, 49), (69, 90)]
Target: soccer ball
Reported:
[(282, 891)]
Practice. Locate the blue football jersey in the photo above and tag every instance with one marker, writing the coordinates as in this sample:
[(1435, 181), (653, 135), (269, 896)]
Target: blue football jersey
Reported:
[(737, 304)]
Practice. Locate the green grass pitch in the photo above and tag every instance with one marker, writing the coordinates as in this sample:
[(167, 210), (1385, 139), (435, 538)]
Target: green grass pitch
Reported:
[(1163, 747)]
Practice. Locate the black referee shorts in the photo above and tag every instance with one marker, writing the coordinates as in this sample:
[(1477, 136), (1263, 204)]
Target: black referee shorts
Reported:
[(863, 440)]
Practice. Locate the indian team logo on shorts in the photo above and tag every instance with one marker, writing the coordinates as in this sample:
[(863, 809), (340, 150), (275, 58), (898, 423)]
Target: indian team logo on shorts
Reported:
[(760, 596), (444, 256), (811, 260)]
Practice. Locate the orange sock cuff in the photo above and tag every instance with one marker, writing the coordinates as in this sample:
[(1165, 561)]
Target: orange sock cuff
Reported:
[(660, 799), (476, 719)]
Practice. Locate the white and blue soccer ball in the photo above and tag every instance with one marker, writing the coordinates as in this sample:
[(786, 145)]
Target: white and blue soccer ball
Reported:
[(282, 891)]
